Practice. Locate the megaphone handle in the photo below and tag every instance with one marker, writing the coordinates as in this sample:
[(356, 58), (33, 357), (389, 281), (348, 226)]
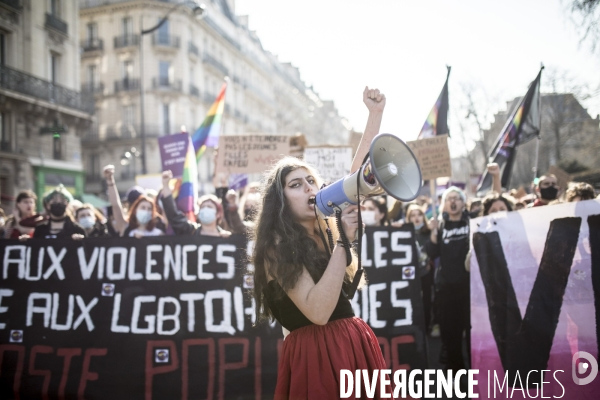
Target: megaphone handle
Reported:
[(345, 241)]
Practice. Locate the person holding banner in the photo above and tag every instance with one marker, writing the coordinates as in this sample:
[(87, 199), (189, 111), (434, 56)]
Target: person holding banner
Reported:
[(210, 214), (299, 279), (60, 225)]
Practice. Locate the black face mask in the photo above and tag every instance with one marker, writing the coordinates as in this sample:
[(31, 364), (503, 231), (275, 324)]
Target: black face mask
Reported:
[(248, 214), (474, 214), (549, 193), (58, 209)]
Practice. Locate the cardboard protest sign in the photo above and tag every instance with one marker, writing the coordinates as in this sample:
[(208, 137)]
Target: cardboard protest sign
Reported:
[(332, 163), (433, 156), (250, 153), (562, 177), (173, 149), (170, 317), (535, 297)]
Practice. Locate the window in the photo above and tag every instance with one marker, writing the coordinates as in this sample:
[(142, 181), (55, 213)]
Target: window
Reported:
[(128, 115), (92, 77), (92, 32), (127, 71), (164, 72), (127, 26), (57, 147), (55, 8), (93, 169), (192, 73), (163, 33), (5, 139), (2, 48), (166, 128), (54, 67)]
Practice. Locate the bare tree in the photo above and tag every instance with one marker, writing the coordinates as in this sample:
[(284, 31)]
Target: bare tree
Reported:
[(585, 15), (472, 116)]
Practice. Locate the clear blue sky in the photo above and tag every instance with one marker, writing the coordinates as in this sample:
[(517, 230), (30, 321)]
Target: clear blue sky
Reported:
[(402, 47)]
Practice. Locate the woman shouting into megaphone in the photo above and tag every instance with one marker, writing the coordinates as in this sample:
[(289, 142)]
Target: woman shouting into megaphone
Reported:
[(300, 276)]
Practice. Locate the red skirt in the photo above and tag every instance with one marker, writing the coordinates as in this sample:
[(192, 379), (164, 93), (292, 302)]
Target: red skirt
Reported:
[(313, 356)]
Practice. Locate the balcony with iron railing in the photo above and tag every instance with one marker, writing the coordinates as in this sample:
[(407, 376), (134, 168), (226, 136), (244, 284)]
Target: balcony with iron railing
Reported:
[(15, 5), (193, 49), (161, 39), (23, 83), (53, 22), (126, 41), (194, 91), (126, 85), (164, 83), (92, 44), (92, 87), (210, 60)]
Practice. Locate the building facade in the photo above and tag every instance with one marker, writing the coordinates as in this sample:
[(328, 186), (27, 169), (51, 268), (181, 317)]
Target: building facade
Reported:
[(184, 64), (42, 113)]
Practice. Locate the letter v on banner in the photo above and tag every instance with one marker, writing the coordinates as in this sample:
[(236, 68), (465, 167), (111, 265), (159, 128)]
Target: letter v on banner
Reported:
[(524, 343)]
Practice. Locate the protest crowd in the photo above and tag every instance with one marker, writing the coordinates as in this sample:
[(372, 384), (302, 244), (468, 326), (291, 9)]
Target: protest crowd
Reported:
[(440, 222), (444, 266)]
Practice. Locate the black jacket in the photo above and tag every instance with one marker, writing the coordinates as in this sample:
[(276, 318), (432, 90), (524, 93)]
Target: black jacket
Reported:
[(43, 231), (452, 248)]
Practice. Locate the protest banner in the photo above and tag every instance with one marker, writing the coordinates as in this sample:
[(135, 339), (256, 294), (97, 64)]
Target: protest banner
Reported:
[(149, 181), (173, 149), (433, 156), (170, 317), (250, 153), (332, 162), (534, 295)]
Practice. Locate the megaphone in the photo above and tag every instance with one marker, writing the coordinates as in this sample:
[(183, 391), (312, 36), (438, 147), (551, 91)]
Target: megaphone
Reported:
[(391, 168)]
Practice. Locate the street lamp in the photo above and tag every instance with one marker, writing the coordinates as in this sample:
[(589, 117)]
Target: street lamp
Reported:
[(199, 12), (129, 156)]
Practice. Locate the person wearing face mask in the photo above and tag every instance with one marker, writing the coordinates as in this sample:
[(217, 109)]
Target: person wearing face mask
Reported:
[(142, 219), (211, 211), (374, 212), (60, 225), (91, 221), (547, 190)]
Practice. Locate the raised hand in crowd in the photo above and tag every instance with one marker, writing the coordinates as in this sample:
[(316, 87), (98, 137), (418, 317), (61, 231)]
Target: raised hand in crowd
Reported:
[(121, 220), (166, 178), (494, 170), (375, 102)]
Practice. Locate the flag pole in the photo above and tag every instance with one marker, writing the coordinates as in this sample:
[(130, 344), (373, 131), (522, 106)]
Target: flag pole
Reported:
[(432, 192)]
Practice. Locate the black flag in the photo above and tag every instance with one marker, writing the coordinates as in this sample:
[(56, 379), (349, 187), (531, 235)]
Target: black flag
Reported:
[(437, 120), (523, 125)]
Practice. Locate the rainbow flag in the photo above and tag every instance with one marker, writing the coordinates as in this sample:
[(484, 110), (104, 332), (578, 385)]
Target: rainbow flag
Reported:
[(185, 192), (208, 133), (437, 120), (523, 125)]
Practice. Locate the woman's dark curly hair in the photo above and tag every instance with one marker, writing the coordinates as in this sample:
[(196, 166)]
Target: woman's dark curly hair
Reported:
[(282, 247), (491, 199)]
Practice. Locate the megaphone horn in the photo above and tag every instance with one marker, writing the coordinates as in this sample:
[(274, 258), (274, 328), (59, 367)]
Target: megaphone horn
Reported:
[(391, 168)]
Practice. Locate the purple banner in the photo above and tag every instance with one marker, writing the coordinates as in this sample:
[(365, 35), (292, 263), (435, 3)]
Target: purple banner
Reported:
[(238, 181), (534, 302), (172, 152)]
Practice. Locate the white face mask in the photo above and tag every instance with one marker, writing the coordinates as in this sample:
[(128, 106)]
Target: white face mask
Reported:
[(418, 226), (368, 217), (87, 222), (207, 215), (143, 216)]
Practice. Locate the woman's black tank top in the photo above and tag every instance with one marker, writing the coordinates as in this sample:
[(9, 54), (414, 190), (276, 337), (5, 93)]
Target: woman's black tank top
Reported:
[(290, 317)]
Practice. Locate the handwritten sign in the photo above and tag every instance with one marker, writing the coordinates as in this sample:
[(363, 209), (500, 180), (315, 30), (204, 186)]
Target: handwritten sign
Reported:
[(250, 153), (172, 152), (332, 162), (433, 156)]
